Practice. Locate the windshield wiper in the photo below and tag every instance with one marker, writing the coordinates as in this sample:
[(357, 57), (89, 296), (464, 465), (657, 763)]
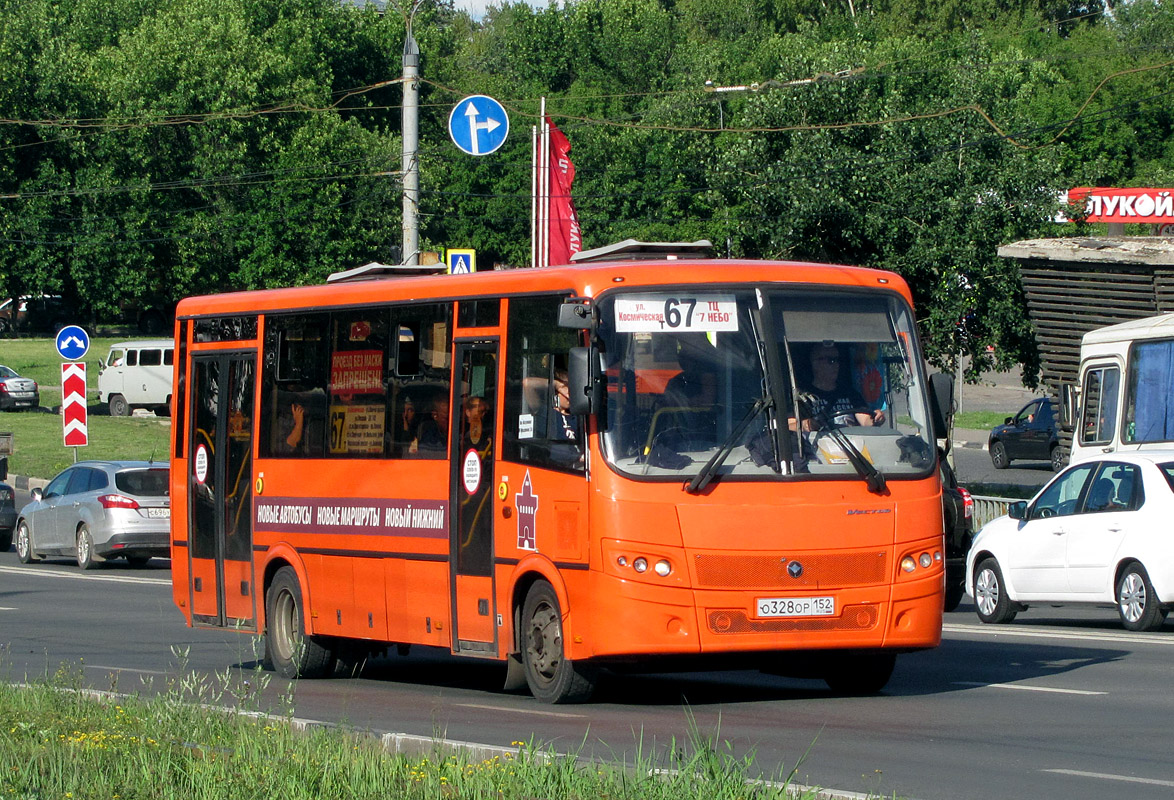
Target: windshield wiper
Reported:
[(707, 473), (872, 476)]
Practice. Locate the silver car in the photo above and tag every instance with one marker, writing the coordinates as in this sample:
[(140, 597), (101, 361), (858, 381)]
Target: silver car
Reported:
[(97, 510), (17, 392)]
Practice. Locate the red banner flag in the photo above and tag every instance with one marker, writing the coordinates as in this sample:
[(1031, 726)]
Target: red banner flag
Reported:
[(565, 240)]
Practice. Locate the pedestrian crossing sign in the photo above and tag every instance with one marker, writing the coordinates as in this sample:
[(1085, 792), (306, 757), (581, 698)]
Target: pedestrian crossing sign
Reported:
[(461, 262)]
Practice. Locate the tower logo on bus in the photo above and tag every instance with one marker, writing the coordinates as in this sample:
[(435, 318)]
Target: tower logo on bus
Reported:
[(527, 504)]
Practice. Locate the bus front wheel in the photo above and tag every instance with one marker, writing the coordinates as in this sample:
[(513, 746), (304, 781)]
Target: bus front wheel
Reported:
[(551, 676), (292, 653)]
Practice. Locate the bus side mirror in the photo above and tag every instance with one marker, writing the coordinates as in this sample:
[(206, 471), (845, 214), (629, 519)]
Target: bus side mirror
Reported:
[(1067, 405), (941, 407), (585, 381)]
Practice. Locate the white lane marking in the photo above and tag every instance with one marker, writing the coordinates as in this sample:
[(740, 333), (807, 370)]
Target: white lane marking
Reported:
[(128, 669), (1026, 688), (1108, 777), (36, 572), (522, 711), (1039, 632), (6, 608)]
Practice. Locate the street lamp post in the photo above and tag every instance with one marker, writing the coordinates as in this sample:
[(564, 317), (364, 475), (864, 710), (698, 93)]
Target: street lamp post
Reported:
[(411, 140)]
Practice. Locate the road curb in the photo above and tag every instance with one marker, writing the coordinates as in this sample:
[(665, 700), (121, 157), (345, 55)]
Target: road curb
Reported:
[(26, 483)]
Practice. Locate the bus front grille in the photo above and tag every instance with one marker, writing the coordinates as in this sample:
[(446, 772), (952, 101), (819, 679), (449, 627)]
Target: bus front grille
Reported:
[(823, 570), (852, 618)]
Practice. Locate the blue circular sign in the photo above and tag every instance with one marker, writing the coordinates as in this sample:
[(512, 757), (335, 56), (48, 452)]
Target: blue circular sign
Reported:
[(73, 342), (478, 125)]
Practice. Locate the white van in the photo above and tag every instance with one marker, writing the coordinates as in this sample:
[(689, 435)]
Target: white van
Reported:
[(137, 375), (1125, 398)]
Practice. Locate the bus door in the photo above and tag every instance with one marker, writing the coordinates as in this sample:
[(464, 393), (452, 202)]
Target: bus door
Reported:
[(220, 490), (475, 401)]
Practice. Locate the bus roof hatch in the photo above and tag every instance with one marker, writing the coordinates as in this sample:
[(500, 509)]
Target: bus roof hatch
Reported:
[(633, 250), (375, 270)]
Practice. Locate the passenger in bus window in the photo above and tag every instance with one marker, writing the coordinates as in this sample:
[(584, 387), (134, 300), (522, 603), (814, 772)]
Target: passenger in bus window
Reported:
[(549, 401), (683, 416), (829, 396), (297, 414), (432, 433)]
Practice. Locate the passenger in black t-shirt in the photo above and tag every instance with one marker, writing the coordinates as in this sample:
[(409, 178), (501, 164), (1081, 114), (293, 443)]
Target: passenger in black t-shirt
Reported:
[(830, 396)]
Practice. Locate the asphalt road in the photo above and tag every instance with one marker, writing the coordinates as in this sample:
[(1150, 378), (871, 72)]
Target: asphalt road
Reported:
[(1060, 704), (973, 467)]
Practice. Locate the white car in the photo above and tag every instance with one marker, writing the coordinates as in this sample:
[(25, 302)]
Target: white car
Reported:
[(1098, 533)]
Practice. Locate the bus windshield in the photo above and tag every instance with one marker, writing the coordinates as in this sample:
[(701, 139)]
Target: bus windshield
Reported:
[(754, 384)]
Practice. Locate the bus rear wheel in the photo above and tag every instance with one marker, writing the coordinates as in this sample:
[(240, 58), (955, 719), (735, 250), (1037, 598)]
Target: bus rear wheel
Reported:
[(292, 653), (551, 676)]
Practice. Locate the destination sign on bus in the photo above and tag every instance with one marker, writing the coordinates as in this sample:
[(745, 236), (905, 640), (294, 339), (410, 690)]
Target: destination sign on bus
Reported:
[(706, 313)]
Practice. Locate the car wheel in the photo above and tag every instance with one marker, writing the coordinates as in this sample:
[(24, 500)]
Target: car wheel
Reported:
[(24, 543), (1137, 603), (292, 653), (86, 557), (1057, 457), (551, 676), (999, 455), (860, 674), (118, 406), (954, 593), (990, 596)]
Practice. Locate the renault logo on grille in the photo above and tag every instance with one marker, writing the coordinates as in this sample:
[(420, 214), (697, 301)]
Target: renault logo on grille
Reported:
[(794, 569)]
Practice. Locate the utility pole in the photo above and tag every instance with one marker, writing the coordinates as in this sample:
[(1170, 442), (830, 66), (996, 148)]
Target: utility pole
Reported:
[(411, 140)]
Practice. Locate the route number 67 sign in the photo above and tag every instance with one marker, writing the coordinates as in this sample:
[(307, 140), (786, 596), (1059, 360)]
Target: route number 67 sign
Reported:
[(668, 312)]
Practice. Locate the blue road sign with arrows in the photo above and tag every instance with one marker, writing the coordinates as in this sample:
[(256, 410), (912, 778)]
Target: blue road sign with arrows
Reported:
[(478, 125), (73, 342)]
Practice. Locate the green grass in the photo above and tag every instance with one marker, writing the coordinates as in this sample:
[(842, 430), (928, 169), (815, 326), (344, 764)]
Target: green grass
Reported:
[(38, 447), (980, 420), (59, 742)]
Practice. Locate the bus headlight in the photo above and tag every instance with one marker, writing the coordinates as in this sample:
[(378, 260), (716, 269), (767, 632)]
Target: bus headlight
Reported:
[(663, 568), (926, 560), (640, 564), (908, 564)]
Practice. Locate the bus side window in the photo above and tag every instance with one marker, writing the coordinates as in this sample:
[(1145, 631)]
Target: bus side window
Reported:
[(419, 378), (1148, 401), (1100, 405), (294, 386), (538, 430)]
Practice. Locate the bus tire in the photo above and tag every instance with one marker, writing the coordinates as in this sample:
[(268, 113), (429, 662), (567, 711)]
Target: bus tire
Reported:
[(551, 676), (292, 653), (860, 673)]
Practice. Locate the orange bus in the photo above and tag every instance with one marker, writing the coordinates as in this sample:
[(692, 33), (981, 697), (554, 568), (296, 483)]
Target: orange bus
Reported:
[(632, 465)]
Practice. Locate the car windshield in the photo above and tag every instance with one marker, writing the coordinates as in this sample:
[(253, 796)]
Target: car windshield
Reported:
[(756, 384), (143, 482)]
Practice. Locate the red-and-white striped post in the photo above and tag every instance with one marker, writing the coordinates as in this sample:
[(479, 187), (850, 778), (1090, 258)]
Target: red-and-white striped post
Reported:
[(73, 404)]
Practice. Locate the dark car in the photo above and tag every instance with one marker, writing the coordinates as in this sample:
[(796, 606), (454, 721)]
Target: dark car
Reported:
[(958, 523), (7, 516), (1030, 434), (17, 392), (46, 313)]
